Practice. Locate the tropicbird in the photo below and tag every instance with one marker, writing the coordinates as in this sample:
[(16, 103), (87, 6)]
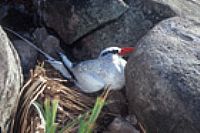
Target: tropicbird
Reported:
[(91, 75)]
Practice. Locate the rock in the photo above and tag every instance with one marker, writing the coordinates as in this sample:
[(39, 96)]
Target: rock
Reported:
[(10, 79), (3, 10), (132, 119), (51, 46), (120, 125), (27, 54), (73, 19), (40, 34), (126, 31), (153, 11), (163, 78), (183, 8), (48, 43), (117, 103)]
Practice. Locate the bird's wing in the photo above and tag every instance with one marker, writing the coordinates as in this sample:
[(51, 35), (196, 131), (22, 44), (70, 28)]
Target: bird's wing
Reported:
[(89, 82), (58, 65), (66, 60)]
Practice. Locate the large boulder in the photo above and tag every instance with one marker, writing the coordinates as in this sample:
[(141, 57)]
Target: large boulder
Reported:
[(72, 19), (163, 78), (10, 79)]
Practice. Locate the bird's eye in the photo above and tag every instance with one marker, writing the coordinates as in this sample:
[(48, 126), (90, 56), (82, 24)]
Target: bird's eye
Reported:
[(115, 51)]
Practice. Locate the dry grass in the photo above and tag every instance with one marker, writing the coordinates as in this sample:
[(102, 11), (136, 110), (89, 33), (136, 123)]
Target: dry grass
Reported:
[(37, 88)]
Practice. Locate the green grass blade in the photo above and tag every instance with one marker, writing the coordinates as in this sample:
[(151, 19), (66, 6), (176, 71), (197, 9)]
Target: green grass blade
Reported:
[(71, 124), (48, 114), (47, 108), (87, 126), (53, 128), (54, 109), (83, 126), (96, 110), (40, 112)]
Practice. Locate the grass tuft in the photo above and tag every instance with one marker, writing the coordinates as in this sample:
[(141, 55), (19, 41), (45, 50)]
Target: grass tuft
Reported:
[(88, 124), (48, 114), (85, 121)]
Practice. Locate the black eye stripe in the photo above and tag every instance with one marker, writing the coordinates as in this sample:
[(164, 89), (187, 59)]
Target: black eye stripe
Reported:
[(110, 52), (115, 51)]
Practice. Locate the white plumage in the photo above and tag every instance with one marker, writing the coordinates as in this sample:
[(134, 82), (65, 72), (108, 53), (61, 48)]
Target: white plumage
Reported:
[(106, 70)]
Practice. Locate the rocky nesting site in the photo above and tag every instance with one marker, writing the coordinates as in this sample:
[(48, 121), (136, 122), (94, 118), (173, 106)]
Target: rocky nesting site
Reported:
[(162, 75)]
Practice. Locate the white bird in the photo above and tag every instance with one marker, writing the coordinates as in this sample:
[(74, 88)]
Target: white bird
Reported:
[(92, 75), (106, 70)]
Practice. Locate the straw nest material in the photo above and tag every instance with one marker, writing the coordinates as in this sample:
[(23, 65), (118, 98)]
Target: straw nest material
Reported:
[(37, 88)]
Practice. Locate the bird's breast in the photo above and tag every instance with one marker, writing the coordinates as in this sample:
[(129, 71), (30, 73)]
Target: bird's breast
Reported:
[(110, 71)]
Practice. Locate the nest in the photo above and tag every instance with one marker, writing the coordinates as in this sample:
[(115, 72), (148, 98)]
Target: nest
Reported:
[(71, 102)]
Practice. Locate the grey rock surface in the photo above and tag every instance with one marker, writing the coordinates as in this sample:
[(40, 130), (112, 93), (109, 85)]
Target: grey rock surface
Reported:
[(10, 80), (117, 103), (51, 45), (126, 31), (72, 19), (163, 78), (132, 119), (27, 54), (153, 11), (183, 8), (3, 11), (39, 35), (46, 42), (120, 125)]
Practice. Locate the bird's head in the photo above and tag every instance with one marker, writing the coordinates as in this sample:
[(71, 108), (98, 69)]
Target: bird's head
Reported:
[(116, 50)]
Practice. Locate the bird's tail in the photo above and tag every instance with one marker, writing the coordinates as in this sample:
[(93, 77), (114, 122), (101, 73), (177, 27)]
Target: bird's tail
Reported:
[(30, 43), (58, 65)]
